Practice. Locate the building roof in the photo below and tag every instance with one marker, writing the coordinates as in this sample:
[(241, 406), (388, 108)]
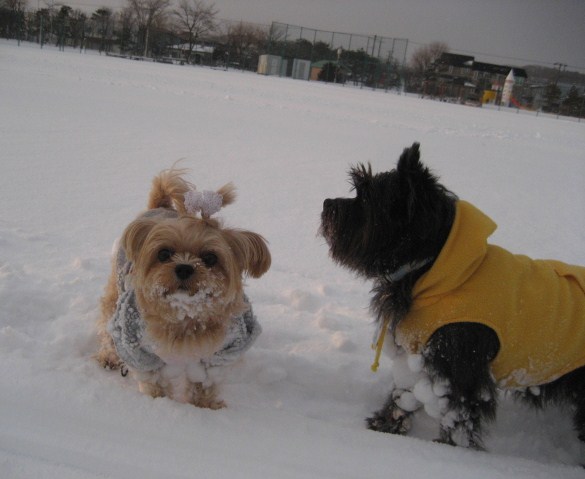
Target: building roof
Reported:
[(197, 48), (499, 69), (466, 61), (455, 60)]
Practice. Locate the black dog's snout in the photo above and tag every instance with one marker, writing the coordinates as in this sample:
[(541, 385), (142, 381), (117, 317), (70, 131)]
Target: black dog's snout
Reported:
[(328, 203), (184, 271)]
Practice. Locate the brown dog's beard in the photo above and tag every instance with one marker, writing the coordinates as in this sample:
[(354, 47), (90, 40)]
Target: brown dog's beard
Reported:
[(196, 330), (195, 298)]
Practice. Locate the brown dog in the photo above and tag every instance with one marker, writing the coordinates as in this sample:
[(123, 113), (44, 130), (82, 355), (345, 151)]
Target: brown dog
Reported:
[(174, 312)]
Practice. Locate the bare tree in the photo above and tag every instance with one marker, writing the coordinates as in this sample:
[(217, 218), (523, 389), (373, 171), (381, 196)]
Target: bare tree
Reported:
[(424, 57), (148, 13), (14, 5), (102, 18), (196, 19), (12, 18), (244, 42), (125, 23)]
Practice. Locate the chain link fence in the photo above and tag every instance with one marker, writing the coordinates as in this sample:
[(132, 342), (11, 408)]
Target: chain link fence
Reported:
[(364, 60)]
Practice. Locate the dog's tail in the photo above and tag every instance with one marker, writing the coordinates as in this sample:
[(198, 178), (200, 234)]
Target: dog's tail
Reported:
[(169, 189)]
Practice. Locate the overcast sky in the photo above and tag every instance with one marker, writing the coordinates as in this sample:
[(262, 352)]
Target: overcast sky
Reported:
[(517, 32), (544, 30)]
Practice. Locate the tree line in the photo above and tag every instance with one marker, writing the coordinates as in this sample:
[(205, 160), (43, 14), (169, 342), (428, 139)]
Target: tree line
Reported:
[(148, 28), (161, 28), (570, 102)]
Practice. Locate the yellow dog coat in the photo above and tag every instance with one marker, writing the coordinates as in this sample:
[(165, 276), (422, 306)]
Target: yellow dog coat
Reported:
[(536, 307)]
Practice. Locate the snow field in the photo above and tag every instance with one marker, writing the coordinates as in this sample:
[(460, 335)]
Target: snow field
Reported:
[(82, 135)]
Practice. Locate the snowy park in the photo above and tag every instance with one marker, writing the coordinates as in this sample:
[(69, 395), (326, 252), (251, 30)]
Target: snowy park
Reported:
[(81, 137)]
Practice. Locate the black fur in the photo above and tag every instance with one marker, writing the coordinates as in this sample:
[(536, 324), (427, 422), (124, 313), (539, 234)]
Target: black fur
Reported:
[(461, 353), (403, 217), (396, 218)]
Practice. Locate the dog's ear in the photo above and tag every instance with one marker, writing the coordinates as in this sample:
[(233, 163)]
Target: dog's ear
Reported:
[(414, 178), (135, 235), (360, 175), (228, 193), (409, 161), (250, 250)]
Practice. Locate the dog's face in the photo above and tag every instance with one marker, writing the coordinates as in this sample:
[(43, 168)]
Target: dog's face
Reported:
[(188, 267), (396, 218)]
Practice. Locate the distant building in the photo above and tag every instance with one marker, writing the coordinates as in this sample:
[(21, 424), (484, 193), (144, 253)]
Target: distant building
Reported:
[(199, 53), (271, 65), (461, 78), (276, 65)]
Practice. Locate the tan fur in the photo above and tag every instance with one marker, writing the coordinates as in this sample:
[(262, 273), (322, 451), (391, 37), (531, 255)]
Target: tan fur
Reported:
[(168, 190), (201, 332), (107, 355)]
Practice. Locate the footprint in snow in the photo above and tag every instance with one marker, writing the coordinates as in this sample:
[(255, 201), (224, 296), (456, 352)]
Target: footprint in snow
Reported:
[(303, 300)]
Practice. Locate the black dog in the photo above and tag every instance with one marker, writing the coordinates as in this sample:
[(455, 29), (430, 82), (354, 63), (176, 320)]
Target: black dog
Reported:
[(463, 316)]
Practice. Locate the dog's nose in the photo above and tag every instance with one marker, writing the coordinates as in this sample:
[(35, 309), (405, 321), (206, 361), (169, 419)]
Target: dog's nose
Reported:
[(327, 203), (184, 271)]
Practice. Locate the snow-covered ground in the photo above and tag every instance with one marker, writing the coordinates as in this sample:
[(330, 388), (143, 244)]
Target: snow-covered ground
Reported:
[(81, 136)]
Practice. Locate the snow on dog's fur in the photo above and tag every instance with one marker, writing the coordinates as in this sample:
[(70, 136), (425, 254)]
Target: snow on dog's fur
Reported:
[(463, 317)]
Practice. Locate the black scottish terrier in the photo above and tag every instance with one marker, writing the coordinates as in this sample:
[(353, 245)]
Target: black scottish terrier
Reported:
[(459, 312)]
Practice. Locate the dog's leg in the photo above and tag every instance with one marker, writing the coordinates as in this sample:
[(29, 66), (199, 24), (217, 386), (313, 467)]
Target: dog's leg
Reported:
[(576, 384), (392, 418), (152, 383), (153, 389), (206, 396), (107, 356), (459, 354), (396, 415)]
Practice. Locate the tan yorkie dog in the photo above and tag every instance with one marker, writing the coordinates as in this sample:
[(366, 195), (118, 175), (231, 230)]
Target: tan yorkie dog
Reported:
[(174, 312)]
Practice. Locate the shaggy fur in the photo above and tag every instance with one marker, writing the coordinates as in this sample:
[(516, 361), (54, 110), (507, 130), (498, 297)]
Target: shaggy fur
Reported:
[(178, 252), (391, 233)]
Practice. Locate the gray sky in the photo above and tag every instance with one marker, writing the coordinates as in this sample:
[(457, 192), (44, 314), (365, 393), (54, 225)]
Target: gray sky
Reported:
[(516, 32), (543, 30)]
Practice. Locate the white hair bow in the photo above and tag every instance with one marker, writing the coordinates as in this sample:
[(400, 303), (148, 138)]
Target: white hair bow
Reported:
[(206, 202)]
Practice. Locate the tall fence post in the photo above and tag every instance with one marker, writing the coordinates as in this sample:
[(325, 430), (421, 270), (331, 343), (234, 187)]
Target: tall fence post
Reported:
[(41, 29)]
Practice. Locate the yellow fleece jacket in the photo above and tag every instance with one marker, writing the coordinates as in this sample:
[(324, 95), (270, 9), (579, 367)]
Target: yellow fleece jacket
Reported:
[(536, 307)]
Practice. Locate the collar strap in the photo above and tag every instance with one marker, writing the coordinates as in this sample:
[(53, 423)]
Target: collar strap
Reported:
[(379, 344), (405, 269)]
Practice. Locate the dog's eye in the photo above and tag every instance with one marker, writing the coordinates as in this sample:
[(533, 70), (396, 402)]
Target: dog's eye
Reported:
[(209, 259), (165, 255)]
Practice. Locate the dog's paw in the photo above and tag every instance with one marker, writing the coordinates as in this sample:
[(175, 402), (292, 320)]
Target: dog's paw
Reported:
[(390, 420), (206, 397), (109, 360), (462, 434), (209, 403), (446, 442), (215, 404)]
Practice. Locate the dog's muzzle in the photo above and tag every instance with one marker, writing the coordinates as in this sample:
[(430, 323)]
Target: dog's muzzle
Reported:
[(327, 218)]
